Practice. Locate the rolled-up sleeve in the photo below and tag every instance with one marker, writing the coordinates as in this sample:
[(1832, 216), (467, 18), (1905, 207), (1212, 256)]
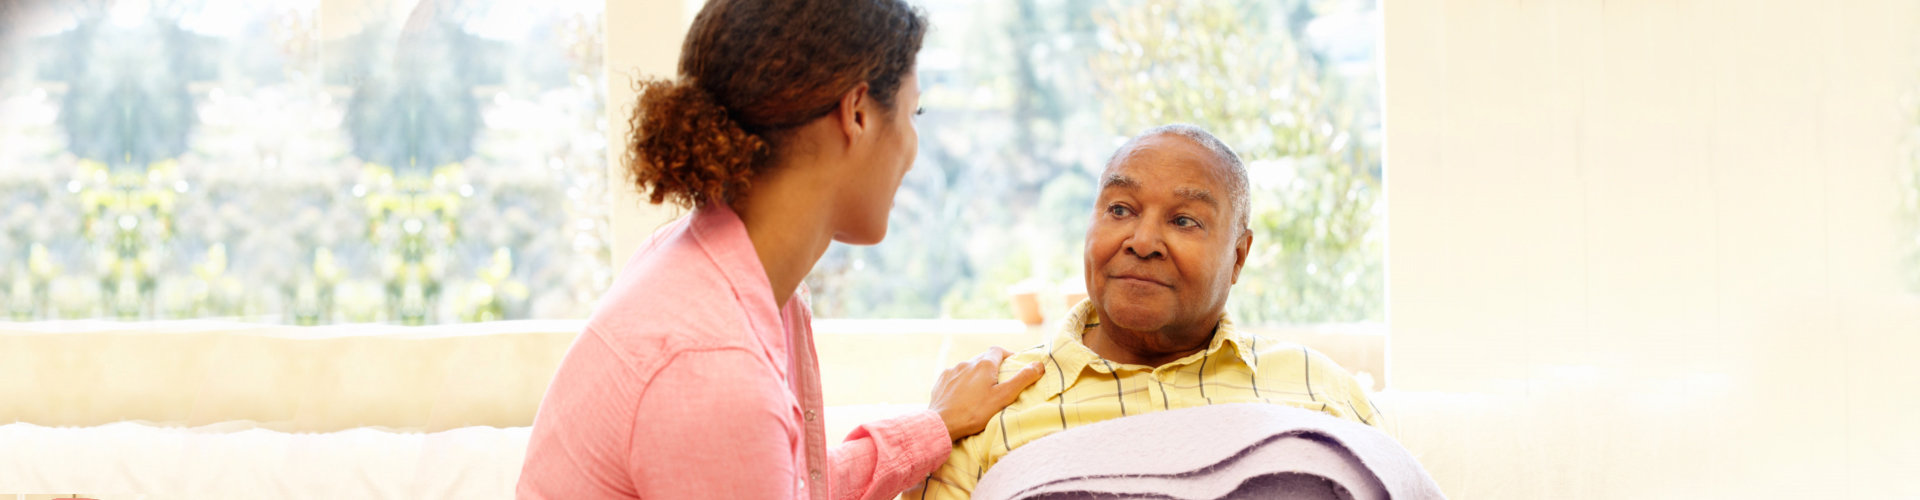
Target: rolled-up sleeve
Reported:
[(881, 459)]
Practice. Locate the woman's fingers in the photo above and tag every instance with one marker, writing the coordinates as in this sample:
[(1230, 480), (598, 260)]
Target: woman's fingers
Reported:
[(1011, 388), (967, 395)]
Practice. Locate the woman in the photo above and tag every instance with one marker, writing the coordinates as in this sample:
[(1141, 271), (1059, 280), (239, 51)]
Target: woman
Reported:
[(790, 127)]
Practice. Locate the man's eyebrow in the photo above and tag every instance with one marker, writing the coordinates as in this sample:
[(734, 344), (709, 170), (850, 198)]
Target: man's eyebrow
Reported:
[(1118, 181), (1196, 194)]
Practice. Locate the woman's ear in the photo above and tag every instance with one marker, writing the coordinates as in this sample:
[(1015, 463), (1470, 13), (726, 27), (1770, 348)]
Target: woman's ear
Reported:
[(855, 118)]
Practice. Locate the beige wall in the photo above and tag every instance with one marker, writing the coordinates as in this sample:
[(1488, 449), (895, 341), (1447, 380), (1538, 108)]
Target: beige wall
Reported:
[(1660, 237)]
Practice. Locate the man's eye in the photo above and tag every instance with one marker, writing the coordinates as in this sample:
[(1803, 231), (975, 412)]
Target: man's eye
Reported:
[(1118, 210), (1184, 221)]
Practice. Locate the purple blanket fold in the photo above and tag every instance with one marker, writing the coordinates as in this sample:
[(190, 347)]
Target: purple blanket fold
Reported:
[(1212, 452)]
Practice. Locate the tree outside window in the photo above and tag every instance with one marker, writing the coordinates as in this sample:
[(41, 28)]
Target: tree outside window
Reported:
[(1026, 99)]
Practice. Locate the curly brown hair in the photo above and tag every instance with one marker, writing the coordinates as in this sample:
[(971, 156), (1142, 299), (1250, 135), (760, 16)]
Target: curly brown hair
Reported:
[(751, 70)]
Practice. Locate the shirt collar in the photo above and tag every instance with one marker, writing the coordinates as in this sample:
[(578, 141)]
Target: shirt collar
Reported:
[(723, 237), (1068, 351)]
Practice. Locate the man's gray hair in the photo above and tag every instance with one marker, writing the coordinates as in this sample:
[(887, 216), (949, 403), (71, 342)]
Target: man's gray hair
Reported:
[(1238, 181)]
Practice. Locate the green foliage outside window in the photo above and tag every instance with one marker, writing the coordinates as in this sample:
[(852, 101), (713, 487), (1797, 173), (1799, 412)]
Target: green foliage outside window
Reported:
[(1025, 101), (440, 165), (1317, 252)]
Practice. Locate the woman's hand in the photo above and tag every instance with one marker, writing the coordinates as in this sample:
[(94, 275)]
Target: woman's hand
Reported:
[(968, 395)]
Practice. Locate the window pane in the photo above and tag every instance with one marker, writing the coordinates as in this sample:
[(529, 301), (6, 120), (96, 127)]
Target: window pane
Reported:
[(304, 162), (1025, 99)]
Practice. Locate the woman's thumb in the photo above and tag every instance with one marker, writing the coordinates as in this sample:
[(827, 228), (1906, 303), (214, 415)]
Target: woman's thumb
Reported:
[(1024, 378)]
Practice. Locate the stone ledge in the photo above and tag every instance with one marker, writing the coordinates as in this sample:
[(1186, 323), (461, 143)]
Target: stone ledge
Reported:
[(428, 379)]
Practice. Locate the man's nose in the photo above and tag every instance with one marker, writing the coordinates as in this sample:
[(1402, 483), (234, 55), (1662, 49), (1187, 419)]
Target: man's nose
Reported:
[(1145, 241)]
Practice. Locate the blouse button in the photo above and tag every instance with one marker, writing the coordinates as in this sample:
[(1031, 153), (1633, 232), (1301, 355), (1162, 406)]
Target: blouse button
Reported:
[(811, 416)]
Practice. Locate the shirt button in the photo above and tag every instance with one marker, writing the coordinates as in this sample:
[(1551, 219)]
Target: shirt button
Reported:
[(810, 415), (814, 474)]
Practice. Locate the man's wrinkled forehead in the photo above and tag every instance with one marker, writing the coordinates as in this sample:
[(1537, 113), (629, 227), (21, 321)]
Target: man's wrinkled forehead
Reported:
[(1123, 182), (1163, 151)]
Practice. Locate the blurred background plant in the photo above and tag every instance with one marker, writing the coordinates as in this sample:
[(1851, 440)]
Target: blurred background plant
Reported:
[(304, 162), (1311, 140), (1026, 99), (388, 161)]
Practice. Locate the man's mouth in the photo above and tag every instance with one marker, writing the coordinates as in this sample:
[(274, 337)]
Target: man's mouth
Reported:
[(1142, 279)]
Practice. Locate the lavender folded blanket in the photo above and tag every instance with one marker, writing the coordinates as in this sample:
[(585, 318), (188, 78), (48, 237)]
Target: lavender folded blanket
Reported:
[(1212, 452)]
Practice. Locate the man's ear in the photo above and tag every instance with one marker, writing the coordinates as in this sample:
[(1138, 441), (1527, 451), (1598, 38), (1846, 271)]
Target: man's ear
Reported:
[(854, 117), (1240, 250)]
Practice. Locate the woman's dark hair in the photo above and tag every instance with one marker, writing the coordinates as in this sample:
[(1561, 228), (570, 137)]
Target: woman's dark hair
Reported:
[(751, 69)]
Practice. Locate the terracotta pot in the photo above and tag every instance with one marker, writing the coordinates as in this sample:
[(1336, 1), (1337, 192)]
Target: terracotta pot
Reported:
[(1072, 299), (1026, 306)]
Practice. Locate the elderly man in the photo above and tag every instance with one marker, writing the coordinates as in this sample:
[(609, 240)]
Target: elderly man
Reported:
[(1168, 239)]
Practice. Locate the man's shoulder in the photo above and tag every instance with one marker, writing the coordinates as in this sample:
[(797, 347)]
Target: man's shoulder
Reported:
[(1268, 349), (1291, 357), (1320, 373)]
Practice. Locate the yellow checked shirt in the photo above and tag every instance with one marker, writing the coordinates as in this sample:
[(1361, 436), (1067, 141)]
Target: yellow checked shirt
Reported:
[(1080, 388)]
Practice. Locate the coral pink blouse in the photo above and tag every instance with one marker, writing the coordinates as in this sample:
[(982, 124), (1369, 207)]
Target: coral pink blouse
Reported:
[(689, 383)]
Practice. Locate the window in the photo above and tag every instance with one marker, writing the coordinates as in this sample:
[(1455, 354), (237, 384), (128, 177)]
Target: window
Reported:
[(304, 162), (1025, 99)]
